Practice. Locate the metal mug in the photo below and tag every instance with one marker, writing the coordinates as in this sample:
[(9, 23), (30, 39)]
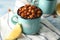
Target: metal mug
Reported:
[(29, 26), (47, 6)]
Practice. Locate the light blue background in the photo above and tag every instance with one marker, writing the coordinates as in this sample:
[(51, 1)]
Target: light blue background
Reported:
[(5, 5)]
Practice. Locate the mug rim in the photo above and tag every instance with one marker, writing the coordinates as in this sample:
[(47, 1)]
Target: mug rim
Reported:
[(29, 18)]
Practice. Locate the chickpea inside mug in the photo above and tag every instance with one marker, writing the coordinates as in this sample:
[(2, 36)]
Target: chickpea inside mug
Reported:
[(29, 16), (29, 12)]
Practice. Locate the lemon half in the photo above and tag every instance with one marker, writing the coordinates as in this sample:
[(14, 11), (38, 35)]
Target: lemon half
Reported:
[(15, 33), (58, 9)]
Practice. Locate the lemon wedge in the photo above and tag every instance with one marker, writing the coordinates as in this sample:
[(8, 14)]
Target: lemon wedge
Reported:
[(10, 39), (58, 9), (15, 33)]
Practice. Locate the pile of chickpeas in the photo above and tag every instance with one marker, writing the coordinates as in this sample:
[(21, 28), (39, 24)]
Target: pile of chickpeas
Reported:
[(29, 11)]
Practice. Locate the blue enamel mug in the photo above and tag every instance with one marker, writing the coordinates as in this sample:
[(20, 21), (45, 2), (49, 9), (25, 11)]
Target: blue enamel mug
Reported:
[(29, 26), (47, 6)]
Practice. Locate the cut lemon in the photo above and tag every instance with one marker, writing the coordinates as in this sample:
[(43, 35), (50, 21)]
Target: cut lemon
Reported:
[(10, 39), (15, 33), (58, 9)]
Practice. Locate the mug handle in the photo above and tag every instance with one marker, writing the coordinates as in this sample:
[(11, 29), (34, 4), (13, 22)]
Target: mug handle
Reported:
[(33, 2), (14, 19), (30, 1)]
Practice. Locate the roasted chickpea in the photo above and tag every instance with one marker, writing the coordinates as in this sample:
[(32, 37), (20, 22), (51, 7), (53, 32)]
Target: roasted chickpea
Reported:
[(29, 12), (31, 16), (22, 14), (29, 8), (38, 11)]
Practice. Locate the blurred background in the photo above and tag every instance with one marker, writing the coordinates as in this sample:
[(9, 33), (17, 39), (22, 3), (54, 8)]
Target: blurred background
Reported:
[(6, 4), (58, 1)]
